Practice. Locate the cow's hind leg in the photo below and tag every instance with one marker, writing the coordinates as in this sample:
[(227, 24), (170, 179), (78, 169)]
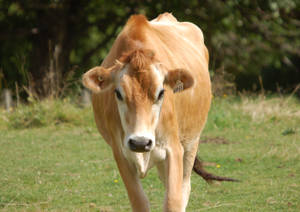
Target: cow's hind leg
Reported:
[(161, 172)]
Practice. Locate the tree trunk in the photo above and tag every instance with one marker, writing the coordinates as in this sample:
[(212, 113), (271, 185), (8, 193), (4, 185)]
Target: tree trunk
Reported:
[(50, 56)]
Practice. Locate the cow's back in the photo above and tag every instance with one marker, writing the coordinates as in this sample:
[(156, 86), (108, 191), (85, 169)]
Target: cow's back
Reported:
[(182, 46)]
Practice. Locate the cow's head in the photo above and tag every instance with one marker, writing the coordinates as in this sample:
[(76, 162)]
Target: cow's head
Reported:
[(139, 84)]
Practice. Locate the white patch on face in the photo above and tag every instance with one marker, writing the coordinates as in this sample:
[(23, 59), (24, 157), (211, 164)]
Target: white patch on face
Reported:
[(160, 79), (118, 80), (159, 75), (122, 107)]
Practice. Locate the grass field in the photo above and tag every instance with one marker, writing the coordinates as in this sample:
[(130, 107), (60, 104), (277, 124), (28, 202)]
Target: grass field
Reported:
[(53, 159)]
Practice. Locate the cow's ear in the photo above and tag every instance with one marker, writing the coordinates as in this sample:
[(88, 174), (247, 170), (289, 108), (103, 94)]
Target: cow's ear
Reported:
[(98, 79), (179, 80)]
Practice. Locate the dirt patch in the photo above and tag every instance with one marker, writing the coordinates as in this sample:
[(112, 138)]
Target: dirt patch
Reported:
[(215, 140)]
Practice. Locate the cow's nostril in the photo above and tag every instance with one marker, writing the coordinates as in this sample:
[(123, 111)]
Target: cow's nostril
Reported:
[(132, 145), (130, 141), (149, 145)]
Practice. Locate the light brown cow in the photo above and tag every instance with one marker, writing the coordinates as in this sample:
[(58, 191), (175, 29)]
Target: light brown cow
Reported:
[(151, 97)]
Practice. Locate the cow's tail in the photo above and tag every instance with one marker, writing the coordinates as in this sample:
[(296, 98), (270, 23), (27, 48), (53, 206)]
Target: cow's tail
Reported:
[(208, 177)]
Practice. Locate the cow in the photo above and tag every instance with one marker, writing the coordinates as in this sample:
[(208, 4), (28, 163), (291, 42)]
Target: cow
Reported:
[(151, 97)]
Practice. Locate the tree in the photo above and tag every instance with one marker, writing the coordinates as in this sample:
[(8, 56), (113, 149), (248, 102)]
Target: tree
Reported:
[(44, 41), (49, 36)]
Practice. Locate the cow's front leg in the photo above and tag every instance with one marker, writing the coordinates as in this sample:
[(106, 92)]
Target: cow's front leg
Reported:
[(188, 163), (173, 181), (137, 197)]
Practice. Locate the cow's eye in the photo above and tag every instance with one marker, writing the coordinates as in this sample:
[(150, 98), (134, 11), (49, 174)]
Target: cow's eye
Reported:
[(160, 95), (118, 94)]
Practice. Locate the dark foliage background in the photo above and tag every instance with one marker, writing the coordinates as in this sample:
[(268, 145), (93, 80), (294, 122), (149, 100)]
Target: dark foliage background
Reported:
[(46, 45)]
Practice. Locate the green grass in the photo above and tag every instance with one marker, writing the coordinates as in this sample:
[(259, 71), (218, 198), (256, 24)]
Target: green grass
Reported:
[(60, 163)]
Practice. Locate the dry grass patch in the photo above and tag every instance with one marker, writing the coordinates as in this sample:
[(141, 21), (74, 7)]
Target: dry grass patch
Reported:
[(276, 107)]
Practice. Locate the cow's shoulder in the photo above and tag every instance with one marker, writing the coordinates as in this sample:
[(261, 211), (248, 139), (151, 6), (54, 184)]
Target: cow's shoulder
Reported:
[(165, 18)]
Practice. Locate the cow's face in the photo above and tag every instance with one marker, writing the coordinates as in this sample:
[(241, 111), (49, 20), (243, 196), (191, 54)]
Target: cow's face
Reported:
[(139, 86), (139, 95)]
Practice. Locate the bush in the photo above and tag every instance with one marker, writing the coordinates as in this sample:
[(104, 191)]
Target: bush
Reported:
[(45, 113)]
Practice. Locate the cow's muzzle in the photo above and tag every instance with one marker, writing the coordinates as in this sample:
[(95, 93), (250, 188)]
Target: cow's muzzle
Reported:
[(140, 144)]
